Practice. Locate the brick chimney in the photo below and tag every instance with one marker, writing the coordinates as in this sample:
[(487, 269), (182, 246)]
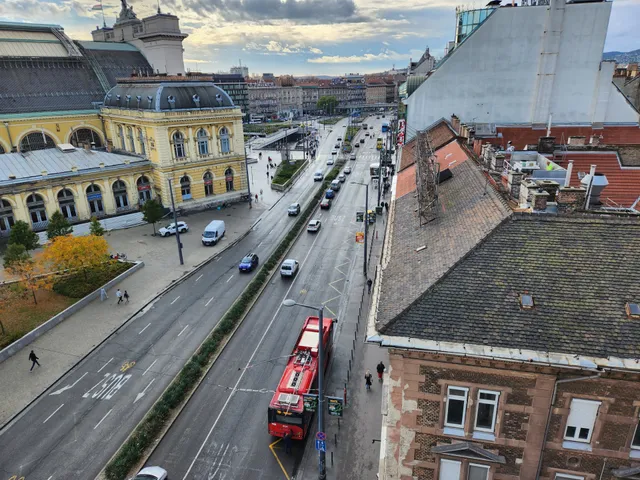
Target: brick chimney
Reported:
[(455, 123), (570, 199), (577, 140), (546, 144), (539, 200), (549, 186)]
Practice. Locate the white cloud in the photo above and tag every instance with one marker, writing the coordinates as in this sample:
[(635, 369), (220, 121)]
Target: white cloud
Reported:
[(367, 57)]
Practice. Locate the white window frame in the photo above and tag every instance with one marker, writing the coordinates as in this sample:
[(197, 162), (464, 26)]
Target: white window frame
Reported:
[(635, 447), (566, 476), (456, 397), (495, 410), (479, 465), (444, 461), (586, 403)]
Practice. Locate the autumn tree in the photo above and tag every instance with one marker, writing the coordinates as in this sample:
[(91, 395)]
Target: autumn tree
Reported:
[(76, 253), (21, 233), (15, 253), (32, 275), (96, 227), (152, 211), (58, 226)]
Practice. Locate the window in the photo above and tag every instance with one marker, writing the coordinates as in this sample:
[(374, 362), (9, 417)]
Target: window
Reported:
[(486, 410), (123, 145), (94, 197), (526, 301), (478, 472), (143, 149), (635, 443), (119, 189), (456, 406), (203, 142), (178, 145), (131, 140), (208, 184), (144, 189), (6, 217), (449, 470), (67, 203), (185, 188), (37, 212), (36, 141), (633, 310), (224, 140), (582, 417), (228, 178), (566, 476), (84, 136)]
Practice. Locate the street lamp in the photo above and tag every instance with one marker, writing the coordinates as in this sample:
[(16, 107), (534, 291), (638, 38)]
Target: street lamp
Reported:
[(366, 222), (322, 466), (175, 222)]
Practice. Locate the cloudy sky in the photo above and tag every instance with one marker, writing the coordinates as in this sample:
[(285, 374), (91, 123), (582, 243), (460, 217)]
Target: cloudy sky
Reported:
[(319, 37)]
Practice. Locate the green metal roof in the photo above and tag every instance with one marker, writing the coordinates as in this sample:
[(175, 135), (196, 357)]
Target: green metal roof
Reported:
[(18, 116), (116, 46)]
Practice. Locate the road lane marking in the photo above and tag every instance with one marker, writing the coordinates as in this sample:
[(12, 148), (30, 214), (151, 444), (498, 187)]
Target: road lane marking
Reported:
[(149, 367), (229, 278), (182, 331), (210, 300), (144, 328), (331, 299), (331, 311), (175, 300), (102, 367), (56, 410), (224, 454), (270, 232), (199, 277), (259, 245), (277, 459), (102, 419), (67, 387), (246, 367), (218, 259), (143, 392)]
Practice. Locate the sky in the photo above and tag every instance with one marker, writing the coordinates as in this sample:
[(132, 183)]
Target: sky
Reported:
[(298, 37)]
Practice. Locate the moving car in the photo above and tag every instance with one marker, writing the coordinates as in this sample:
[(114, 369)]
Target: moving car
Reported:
[(213, 232), (325, 204), (289, 268), (339, 139), (337, 145), (352, 157), (329, 194), (335, 185), (342, 178), (347, 170), (293, 210), (151, 473), (314, 226), (362, 140), (330, 161), (357, 145), (366, 134), (171, 229), (318, 177), (248, 263)]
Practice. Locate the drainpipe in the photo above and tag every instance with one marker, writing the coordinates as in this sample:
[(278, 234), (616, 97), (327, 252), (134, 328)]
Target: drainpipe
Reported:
[(553, 401), (6, 125), (592, 173), (104, 131), (567, 177)]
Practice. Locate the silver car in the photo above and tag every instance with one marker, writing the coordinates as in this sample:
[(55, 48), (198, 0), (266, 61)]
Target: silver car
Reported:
[(289, 268)]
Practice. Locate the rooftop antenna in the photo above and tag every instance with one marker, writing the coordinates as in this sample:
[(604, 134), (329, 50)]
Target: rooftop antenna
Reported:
[(159, 12)]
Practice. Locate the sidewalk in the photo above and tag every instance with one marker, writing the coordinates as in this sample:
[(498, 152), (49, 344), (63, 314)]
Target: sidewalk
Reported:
[(62, 347)]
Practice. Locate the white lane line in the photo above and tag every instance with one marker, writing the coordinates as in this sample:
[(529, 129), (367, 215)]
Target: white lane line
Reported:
[(56, 410), (182, 331), (144, 328), (246, 368), (218, 259), (210, 300), (50, 477), (176, 299), (199, 277), (102, 419), (270, 232), (144, 373), (102, 367), (229, 278), (259, 245)]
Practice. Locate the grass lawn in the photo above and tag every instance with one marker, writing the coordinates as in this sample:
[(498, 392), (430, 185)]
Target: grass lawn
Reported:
[(285, 171)]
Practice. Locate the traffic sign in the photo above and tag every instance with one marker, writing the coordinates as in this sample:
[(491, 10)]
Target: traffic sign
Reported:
[(321, 446), (321, 436)]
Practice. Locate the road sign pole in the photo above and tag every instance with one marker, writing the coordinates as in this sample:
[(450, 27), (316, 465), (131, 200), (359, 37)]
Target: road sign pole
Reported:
[(322, 467)]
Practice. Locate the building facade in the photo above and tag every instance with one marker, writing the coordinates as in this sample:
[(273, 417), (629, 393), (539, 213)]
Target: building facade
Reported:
[(236, 86), (241, 70), (263, 99)]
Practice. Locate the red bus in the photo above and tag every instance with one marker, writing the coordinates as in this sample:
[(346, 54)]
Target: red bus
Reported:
[(286, 410)]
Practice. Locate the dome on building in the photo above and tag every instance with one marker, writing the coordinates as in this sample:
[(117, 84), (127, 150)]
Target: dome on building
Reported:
[(160, 96)]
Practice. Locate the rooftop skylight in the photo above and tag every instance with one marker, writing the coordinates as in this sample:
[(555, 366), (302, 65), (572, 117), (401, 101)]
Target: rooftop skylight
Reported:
[(633, 310), (526, 301)]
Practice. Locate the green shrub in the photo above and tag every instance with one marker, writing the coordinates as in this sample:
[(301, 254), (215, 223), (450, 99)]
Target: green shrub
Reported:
[(77, 285)]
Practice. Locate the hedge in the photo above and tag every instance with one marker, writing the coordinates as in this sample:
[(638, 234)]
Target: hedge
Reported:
[(286, 170), (81, 284), (145, 434)]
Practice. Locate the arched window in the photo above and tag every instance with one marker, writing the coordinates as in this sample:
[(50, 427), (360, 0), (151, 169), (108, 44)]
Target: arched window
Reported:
[(37, 212), (185, 188), (67, 204), (224, 140), (203, 142), (6, 217), (178, 145), (123, 144), (143, 149), (228, 179), (82, 136), (120, 195), (1, 150), (94, 197), (132, 141), (36, 141), (144, 189), (208, 184)]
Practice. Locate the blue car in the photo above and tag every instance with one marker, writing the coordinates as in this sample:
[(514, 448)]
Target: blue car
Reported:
[(329, 194), (248, 263)]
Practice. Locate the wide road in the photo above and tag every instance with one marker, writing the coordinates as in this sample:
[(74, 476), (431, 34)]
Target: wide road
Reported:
[(78, 424), (222, 432)]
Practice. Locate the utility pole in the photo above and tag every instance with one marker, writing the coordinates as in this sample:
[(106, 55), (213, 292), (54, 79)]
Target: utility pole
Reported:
[(366, 223), (175, 222), (246, 166)]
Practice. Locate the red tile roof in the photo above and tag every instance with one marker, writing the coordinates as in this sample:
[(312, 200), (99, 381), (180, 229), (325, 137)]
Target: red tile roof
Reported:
[(522, 136), (440, 134), (406, 181)]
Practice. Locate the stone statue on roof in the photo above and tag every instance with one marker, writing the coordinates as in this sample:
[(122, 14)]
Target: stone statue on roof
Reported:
[(126, 12)]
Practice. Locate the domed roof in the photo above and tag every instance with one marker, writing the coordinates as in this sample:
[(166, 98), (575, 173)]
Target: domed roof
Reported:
[(166, 96)]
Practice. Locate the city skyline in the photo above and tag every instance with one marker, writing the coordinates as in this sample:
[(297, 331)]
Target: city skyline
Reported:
[(303, 37)]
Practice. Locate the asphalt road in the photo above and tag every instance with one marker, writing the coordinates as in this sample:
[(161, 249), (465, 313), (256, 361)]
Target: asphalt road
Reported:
[(77, 425), (222, 432)]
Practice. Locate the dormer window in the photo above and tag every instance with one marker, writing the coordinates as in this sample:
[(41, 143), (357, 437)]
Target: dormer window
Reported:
[(138, 100), (150, 101), (526, 301), (172, 101), (128, 100), (196, 100), (633, 310)]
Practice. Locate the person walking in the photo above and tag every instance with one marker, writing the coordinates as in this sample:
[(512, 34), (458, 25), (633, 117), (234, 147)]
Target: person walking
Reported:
[(369, 283), (287, 442), (380, 370), (260, 155), (256, 198), (367, 380), (260, 192), (126, 297), (119, 295), (34, 360), (103, 295)]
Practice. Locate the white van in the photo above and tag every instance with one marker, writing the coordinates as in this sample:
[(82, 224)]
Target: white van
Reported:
[(213, 232), (335, 185)]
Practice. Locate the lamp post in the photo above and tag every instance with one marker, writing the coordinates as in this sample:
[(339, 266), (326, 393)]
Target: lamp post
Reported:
[(246, 166), (175, 222), (366, 222), (322, 466)]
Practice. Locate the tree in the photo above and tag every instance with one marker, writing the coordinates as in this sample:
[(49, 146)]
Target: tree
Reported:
[(327, 104), (76, 253), (58, 226), (15, 253), (152, 211), (32, 275), (21, 233), (96, 227)]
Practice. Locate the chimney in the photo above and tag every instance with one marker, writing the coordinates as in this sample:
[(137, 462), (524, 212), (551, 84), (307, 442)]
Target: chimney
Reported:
[(577, 140), (570, 199), (74, 169), (587, 181), (539, 200), (44, 173), (567, 177), (549, 186), (546, 144)]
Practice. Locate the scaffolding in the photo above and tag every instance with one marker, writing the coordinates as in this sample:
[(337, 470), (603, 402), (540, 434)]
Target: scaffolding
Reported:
[(427, 176)]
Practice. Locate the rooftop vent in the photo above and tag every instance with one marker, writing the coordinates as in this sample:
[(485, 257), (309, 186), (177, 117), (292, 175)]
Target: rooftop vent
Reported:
[(526, 301), (12, 176), (599, 183), (196, 100), (66, 147), (633, 310)]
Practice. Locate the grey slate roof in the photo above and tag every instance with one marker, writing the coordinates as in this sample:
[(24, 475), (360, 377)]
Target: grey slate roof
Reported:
[(29, 166), (580, 270)]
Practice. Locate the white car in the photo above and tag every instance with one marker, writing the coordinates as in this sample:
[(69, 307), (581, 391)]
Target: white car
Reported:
[(330, 161), (151, 473), (171, 229), (289, 268), (347, 170), (314, 226), (342, 178)]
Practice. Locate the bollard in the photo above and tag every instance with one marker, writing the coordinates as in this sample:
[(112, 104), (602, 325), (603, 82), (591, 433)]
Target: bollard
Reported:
[(355, 335), (351, 354), (349, 364), (335, 439), (347, 375), (332, 459), (354, 344)]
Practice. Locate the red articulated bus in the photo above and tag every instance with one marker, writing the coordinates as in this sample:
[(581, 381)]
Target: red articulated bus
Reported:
[(286, 410)]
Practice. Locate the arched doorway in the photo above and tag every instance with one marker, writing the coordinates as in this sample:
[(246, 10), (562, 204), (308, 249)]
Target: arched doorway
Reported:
[(228, 179), (36, 141), (83, 136), (94, 197), (6, 217), (144, 189), (208, 184), (185, 188), (37, 211), (120, 195), (67, 204)]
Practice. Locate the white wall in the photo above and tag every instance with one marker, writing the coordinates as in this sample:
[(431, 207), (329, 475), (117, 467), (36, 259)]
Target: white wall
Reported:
[(165, 55)]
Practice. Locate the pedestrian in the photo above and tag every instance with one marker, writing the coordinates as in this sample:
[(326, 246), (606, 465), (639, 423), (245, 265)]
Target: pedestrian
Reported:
[(369, 283), (261, 192), (34, 359), (103, 294), (260, 155), (380, 370), (287, 442), (126, 297), (386, 206), (119, 295), (271, 177), (267, 175), (367, 380), (256, 198)]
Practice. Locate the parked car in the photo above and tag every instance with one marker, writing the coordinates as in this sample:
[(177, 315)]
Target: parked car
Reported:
[(213, 232), (352, 157), (339, 139), (325, 204), (329, 193), (330, 161), (151, 473), (337, 145), (342, 178), (362, 140), (314, 226), (248, 263), (347, 170), (289, 268), (293, 210), (171, 229), (318, 177), (357, 145)]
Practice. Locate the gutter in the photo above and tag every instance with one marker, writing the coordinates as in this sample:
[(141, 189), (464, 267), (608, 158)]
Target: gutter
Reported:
[(13, 149)]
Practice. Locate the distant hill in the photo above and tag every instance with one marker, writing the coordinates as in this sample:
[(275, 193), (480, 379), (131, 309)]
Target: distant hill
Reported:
[(622, 57)]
